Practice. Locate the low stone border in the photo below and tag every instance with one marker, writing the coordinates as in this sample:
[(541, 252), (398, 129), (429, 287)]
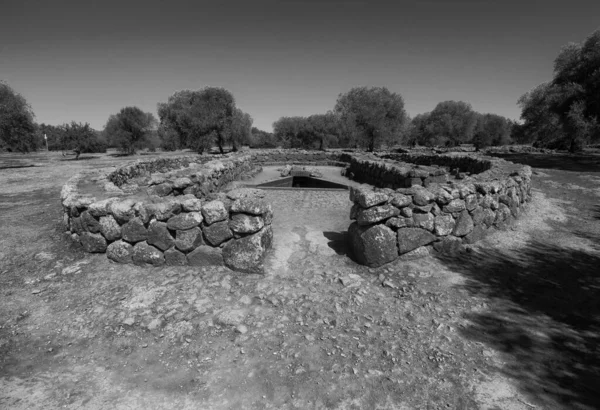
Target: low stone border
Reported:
[(188, 220), (407, 223)]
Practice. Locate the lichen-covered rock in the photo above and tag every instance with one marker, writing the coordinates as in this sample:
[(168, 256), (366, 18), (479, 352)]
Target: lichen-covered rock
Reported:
[(110, 228), (92, 242), (144, 254), (185, 221), (464, 224), (401, 200), (205, 256), (161, 190), (120, 252), (397, 223), (442, 197), (175, 258), (372, 245), (478, 215), (182, 183), (425, 221), (101, 208), (251, 205), (189, 239), (134, 231), (240, 193), (443, 225), (502, 214), (122, 210), (423, 197), (456, 205), (376, 213), (367, 199), (489, 217), (247, 254), (76, 226), (406, 212), (159, 236), (471, 202), (214, 211), (190, 203), (217, 233), (412, 238), (242, 223), (423, 209), (159, 209), (89, 223)]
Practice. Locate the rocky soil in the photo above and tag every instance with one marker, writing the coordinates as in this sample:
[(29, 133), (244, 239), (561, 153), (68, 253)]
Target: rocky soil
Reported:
[(511, 324)]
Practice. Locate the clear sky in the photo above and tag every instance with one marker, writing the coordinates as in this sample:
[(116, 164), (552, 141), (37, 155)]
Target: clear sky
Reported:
[(84, 60)]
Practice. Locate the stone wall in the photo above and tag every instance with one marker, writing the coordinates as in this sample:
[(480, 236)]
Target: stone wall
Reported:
[(407, 223), (186, 221)]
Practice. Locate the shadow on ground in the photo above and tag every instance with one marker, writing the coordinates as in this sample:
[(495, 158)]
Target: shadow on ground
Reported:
[(566, 162), (338, 241), (543, 313)]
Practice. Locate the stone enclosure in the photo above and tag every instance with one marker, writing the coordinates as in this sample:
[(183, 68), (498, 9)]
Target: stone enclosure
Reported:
[(182, 210)]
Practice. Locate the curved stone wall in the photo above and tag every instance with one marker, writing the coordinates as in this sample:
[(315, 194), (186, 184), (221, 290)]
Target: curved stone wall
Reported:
[(183, 221), (414, 205), (407, 223)]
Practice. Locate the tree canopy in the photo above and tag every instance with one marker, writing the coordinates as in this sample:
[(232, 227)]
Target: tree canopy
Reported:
[(129, 129), (17, 128), (373, 115), (79, 138), (203, 118), (566, 110)]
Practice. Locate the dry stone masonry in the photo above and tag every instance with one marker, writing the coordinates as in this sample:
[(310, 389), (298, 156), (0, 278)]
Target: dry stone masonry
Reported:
[(411, 203)]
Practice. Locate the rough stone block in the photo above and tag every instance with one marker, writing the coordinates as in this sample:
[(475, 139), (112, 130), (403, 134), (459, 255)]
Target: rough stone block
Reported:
[(464, 224), (450, 245), (443, 225), (251, 205), (412, 238), (110, 228), (456, 205), (120, 252), (184, 221), (205, 256), (92, 242), (134, 231), (425, 221), (372, 245), (159, 236), (247, 254), (217, 233), (375, 214), (242, 223), (214, 211), (175, 258), (189, 239), (144, 254), (367, 199)]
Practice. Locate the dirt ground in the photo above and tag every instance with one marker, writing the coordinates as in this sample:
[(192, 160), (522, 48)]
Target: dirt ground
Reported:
[(512, 324)]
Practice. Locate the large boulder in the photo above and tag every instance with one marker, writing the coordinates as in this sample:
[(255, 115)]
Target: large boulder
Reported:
[(159, 209), (372, 245), (89, 223), (242, 223), (122, 210), (423, 197), (175, 258), (120, 252), (134, 231), (444, 224), (251, 205), (376, 214), (146, 254), (367, 199), (205, 256), (247, 254), (185, 221), (412, 238), (110, 228), (217, 233), (159, 235), (189, 239), (214, 211), (92, 242), (456, 205), (464, 224)]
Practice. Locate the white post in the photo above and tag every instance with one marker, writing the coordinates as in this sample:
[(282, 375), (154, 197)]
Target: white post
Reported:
[(46, 138)]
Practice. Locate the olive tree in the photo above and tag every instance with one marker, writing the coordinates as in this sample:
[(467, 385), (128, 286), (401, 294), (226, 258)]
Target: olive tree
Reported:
[(129, 129), (17, 128), (375, 115)]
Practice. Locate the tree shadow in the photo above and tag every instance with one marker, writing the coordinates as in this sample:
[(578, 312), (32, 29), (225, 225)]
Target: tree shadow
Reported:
[(338, 241), (596, 212), (584, 162), (544, 314), (81, 158)]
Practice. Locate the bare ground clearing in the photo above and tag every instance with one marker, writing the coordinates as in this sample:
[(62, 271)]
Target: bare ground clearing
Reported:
[(514, 324)]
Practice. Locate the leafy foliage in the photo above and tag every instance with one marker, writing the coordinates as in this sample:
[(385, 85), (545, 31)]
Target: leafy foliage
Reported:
[(566, 110), (17, 129), (80, 138), (204, 117), (372, 115), (129, 129), (262, 139), (491, 129)]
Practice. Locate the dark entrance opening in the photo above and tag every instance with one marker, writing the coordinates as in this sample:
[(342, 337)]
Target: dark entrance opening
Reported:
[(302, 182)]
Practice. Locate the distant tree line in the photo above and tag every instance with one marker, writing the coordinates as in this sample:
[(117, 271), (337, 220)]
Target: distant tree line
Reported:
[(563, 113)]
